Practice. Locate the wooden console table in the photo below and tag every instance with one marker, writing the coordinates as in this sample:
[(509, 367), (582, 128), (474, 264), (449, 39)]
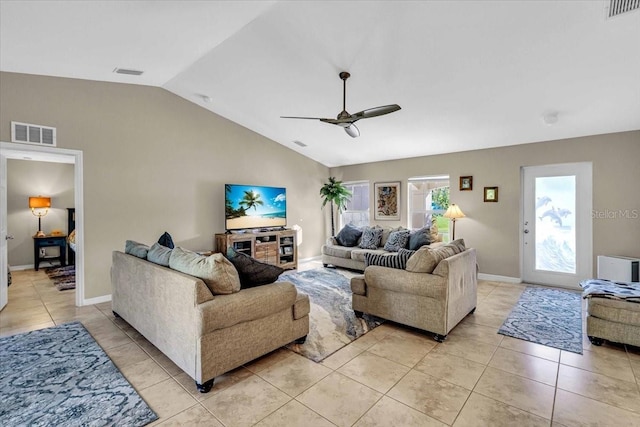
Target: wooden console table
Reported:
[(46, 242), (276, 247)]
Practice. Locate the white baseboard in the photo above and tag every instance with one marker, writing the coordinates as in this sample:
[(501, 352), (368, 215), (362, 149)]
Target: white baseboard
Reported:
[(313, 258), (496, 278), (96, 300), (21, 267)]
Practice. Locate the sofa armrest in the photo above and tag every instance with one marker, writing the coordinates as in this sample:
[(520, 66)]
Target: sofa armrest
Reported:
[(462, 283), (248, 304)]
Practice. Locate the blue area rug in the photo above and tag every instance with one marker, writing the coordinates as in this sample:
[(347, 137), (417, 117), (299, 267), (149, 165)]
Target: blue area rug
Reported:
[(332, 323), (550, 317), (61, 377)]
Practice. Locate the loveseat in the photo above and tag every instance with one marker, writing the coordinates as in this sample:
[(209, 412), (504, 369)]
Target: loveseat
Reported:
[(353, 256), (204, 334), (435, 296)]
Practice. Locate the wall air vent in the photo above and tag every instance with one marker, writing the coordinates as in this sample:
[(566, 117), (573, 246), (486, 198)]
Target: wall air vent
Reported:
[(300, 143), (127, 71), (27, 133), (618, 7)]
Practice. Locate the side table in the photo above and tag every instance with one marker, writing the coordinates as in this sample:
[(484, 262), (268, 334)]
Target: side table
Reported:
[(49, 241)]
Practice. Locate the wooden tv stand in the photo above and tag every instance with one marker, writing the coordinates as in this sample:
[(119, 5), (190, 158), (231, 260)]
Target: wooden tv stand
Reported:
[(277, 247)]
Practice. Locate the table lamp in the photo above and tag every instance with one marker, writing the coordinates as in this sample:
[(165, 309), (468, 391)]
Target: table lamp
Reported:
[(39, 207)]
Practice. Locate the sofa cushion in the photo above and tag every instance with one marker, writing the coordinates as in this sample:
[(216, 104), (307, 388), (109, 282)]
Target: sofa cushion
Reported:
[(371, 238), (159, 254), (216, 271), (136, 249), (359, 254), (337, 251), (395, 260), (418, 238), (251, 271), (166, 240), (426, 259), (397, 240), (349, 236)]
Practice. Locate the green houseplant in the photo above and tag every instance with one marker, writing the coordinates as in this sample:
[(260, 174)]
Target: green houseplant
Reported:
[(334, 193)]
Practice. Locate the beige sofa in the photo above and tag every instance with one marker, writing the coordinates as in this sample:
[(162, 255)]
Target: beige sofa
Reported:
[(435, 302), (206, 335)]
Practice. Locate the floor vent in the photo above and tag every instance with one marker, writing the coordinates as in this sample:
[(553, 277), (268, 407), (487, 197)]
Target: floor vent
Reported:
[(618, 7), (27, 133)]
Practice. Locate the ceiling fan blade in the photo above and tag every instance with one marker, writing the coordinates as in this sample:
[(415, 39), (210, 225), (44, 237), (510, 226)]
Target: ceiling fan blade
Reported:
[(352, 131), (376, 111), (307, 118)]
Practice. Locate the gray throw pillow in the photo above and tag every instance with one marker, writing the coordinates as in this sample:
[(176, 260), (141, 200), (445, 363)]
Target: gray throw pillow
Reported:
[(371, 237), (251, 271), (159, 254), (216, 271), (136, 249), (398, 260), (397, 240), (349, 236), (419, 238)]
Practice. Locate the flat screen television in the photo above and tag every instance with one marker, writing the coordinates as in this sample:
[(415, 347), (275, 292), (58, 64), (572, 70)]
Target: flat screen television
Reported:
[(254, 206)]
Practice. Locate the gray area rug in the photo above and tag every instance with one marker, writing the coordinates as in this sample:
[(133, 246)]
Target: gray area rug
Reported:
[(332, 323), (63, 278), (550, 317), (60, 377)]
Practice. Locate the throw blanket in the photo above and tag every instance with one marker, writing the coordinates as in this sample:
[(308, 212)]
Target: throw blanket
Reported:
[(628, 291)]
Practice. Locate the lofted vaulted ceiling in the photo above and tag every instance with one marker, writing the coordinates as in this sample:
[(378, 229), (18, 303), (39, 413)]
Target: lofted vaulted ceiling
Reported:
[(467, 74)]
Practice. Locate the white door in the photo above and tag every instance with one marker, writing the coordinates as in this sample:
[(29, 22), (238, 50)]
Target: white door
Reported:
[(556, 224)]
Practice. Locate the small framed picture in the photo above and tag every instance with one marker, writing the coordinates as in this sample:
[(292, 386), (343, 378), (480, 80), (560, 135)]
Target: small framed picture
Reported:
[(490, 194), (387, 201), (466, 183)]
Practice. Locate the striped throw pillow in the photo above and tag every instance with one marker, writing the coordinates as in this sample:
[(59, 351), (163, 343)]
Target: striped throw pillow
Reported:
[(398, 260)]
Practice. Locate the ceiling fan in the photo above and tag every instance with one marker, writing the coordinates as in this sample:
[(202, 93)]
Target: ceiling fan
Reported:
[(346, 120)]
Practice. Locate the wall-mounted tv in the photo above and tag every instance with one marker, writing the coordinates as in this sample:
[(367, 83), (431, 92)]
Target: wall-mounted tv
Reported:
[(254, 206)]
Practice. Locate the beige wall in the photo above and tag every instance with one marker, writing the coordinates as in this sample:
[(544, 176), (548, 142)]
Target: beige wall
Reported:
[(154, 162), (29, 178), (494, 228)]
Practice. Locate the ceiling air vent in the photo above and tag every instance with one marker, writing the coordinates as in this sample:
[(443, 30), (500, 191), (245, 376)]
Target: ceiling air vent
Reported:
[(27, 133), (300, 143), (128, 71), (618, 7)]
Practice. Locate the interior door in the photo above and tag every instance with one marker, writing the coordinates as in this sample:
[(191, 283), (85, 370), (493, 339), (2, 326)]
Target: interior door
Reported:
[(556, 224)]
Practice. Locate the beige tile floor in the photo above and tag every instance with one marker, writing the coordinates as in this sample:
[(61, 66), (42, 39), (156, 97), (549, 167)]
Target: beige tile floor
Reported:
[(392, 376)]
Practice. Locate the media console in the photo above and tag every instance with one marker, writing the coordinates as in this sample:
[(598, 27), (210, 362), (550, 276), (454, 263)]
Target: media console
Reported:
[(276, 247)]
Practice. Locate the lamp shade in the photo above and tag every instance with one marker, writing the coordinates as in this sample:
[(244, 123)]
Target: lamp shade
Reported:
[(39, 202), (453, 212)]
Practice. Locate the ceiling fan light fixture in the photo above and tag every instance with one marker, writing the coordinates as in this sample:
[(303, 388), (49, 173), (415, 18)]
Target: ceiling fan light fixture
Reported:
[(352, 131)]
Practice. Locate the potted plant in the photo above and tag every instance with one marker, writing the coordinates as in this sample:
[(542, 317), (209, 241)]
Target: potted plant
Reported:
[(335, 193)]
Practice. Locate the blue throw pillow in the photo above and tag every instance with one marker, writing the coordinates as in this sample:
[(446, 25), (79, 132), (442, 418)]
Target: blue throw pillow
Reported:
[(419, 238), (397, 240), (136, 249), (166, 240), (349, 236)]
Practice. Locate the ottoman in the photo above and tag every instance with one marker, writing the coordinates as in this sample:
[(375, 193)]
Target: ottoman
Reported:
[(611, 316)]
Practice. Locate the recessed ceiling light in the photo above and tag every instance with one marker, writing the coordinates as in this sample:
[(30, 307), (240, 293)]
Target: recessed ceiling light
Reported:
[(127, 71), (206, 98), (550, 118)]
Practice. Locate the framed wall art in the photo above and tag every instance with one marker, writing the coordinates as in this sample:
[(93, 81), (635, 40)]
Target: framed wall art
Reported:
[(387, 201), (490, 194), (466, 183)]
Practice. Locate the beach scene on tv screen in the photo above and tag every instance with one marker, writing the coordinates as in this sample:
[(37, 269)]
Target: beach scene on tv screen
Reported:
[(248, 206)]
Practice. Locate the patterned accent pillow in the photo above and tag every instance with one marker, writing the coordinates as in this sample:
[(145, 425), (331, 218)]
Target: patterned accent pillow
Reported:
[(397, 240), (136, 249), (398, 260), (371, 237), (251, 271), (349, 236)]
